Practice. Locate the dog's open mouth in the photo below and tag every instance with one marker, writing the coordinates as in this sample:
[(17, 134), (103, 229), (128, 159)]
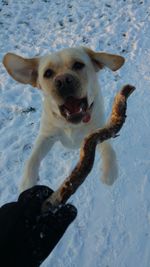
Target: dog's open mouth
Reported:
[(76, 110)]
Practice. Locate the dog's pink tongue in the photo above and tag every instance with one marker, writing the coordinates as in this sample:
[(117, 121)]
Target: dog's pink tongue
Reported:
[(86, 117)]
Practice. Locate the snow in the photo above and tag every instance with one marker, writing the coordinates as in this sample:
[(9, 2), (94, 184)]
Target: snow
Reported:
[(112, 226)]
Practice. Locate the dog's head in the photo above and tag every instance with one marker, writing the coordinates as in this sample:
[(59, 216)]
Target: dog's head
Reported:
[(68, 78)]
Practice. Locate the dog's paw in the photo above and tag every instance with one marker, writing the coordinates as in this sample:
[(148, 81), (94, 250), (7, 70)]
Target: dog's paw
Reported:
[(110, 166), (110, 175), (27, 182)]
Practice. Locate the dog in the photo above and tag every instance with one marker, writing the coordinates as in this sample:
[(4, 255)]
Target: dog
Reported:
[(73, 104)]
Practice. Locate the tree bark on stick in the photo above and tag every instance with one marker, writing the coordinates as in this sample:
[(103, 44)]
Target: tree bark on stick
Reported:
[(87, 151)]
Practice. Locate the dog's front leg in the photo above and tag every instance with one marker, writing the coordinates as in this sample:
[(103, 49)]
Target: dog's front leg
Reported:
[(31, 172), (109, 163)]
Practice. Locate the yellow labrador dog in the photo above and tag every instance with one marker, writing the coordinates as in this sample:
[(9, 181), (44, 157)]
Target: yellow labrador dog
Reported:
[(73, 104)]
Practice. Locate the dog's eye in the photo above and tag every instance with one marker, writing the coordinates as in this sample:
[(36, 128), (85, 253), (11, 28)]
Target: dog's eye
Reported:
[(78, 65), (48, 73)]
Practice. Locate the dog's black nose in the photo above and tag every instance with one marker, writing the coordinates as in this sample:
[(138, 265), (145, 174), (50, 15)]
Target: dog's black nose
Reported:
[(65, 84)]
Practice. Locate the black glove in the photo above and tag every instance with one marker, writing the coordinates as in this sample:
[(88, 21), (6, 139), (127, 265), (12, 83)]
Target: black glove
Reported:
[(26, 236)]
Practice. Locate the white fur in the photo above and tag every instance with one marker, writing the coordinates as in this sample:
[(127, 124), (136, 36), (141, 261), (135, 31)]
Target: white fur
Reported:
[(51, 130)]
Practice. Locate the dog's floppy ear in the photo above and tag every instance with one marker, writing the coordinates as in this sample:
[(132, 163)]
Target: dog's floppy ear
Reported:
[(22, 69), (101, 59)]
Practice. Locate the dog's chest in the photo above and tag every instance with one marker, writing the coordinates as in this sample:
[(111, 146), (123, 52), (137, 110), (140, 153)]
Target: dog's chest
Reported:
[(72, 138)]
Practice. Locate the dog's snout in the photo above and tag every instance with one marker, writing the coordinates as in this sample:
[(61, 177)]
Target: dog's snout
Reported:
[(63, 80), (65, 84)]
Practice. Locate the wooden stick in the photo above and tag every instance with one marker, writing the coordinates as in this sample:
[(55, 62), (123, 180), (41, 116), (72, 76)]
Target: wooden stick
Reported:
[(87, 152)]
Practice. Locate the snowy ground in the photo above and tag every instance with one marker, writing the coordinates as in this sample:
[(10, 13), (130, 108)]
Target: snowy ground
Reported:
[(113, 223)]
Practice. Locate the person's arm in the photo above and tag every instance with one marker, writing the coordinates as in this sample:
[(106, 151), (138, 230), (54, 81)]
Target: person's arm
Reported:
[(26, 236)]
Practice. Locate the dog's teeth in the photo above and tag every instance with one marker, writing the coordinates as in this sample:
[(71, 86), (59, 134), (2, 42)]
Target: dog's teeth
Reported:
[(67, 113), (83, 107)]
